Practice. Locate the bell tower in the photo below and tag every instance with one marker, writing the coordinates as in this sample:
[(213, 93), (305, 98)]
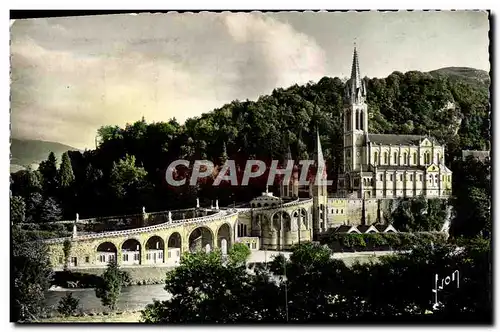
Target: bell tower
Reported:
[(355, 124)]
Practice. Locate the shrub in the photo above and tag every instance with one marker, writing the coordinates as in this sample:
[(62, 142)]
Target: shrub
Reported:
[(68, 305), (377, 241)]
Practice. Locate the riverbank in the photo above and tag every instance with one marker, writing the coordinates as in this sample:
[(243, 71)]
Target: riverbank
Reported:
[(118, 317)]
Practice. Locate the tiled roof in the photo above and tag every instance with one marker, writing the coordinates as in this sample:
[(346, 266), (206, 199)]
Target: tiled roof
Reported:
[(387, 139)]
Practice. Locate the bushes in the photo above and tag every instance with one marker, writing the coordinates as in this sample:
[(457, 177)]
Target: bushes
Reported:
[(380, 241), (68, 305)]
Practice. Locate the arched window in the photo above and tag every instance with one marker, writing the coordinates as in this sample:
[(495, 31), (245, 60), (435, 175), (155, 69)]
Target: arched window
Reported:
[(438, 158), (404, 158), (376, 158), (395, 157), (386, 158), (415, 158), (427, 158), (361, 120)]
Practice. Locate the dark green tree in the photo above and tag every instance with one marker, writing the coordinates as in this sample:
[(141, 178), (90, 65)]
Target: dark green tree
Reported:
[(50, 211), (66, 176), (239, 253), (48, 170), (110, 288), (68, 305), (31, 273), (33, 207), (17, 210)]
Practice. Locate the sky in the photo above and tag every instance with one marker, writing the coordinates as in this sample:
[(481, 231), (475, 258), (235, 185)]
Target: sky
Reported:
[(72, 75)]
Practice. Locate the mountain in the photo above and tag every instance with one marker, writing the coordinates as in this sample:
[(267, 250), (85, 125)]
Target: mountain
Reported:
[(31, 152), (475, 77)]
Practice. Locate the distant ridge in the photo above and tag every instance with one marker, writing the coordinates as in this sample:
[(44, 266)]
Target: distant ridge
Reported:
[(31, 152), (477, 77)]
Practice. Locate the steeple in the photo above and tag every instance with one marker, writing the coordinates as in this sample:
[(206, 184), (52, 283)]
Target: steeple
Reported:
[(355, 88), (320, 166)]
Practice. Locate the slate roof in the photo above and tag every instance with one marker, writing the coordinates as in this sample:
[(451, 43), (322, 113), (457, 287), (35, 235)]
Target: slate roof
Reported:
[(386, 139), (364, 228), (345, 229), (383, 228)]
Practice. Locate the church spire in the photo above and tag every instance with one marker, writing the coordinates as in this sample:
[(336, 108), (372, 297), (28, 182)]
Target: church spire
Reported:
[(355, 89)]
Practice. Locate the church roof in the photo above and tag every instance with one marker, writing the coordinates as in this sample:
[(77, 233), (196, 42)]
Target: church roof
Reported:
[(400, 168), (388, 139)]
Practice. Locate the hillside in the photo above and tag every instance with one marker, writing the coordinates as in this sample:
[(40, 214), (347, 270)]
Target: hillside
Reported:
[(475, 77), (32, 152)]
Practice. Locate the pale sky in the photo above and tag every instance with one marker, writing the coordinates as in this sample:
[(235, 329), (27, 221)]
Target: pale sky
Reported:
[(71, 76)]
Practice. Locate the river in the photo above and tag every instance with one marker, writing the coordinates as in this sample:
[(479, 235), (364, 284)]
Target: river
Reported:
[(137, 297), (131, 297)]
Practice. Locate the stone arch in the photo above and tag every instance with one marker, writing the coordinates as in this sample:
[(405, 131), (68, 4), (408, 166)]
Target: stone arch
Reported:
[(224, 238), (258, 205), (276, 224), (201, 238), (106, 252), (174, 247), (296, 220), (273, 205), (266, 205), (304, 218), (131, 252), (155, 248)]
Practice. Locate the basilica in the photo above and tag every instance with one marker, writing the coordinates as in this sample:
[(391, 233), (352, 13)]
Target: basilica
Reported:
[(377, 168)]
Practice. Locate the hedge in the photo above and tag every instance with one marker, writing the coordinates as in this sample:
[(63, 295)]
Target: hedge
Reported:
[(380, 241)]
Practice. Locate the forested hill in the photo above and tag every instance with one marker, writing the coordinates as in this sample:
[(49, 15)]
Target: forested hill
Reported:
[(444, 105), (28, 152), (472, 76)]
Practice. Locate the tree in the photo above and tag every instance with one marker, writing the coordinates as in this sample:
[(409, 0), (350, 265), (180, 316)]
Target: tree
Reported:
[(68, 305), (110, 288), (17, 210), (239, 253), (66, 176), (48, 169), (26, 182), (30, 278), (126, 178), (50, 211), (33, 207), (206, 290)]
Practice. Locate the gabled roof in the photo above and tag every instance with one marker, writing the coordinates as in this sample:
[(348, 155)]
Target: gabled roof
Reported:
[(347, 229), (388, 139), (385, 228), (367, 229)]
